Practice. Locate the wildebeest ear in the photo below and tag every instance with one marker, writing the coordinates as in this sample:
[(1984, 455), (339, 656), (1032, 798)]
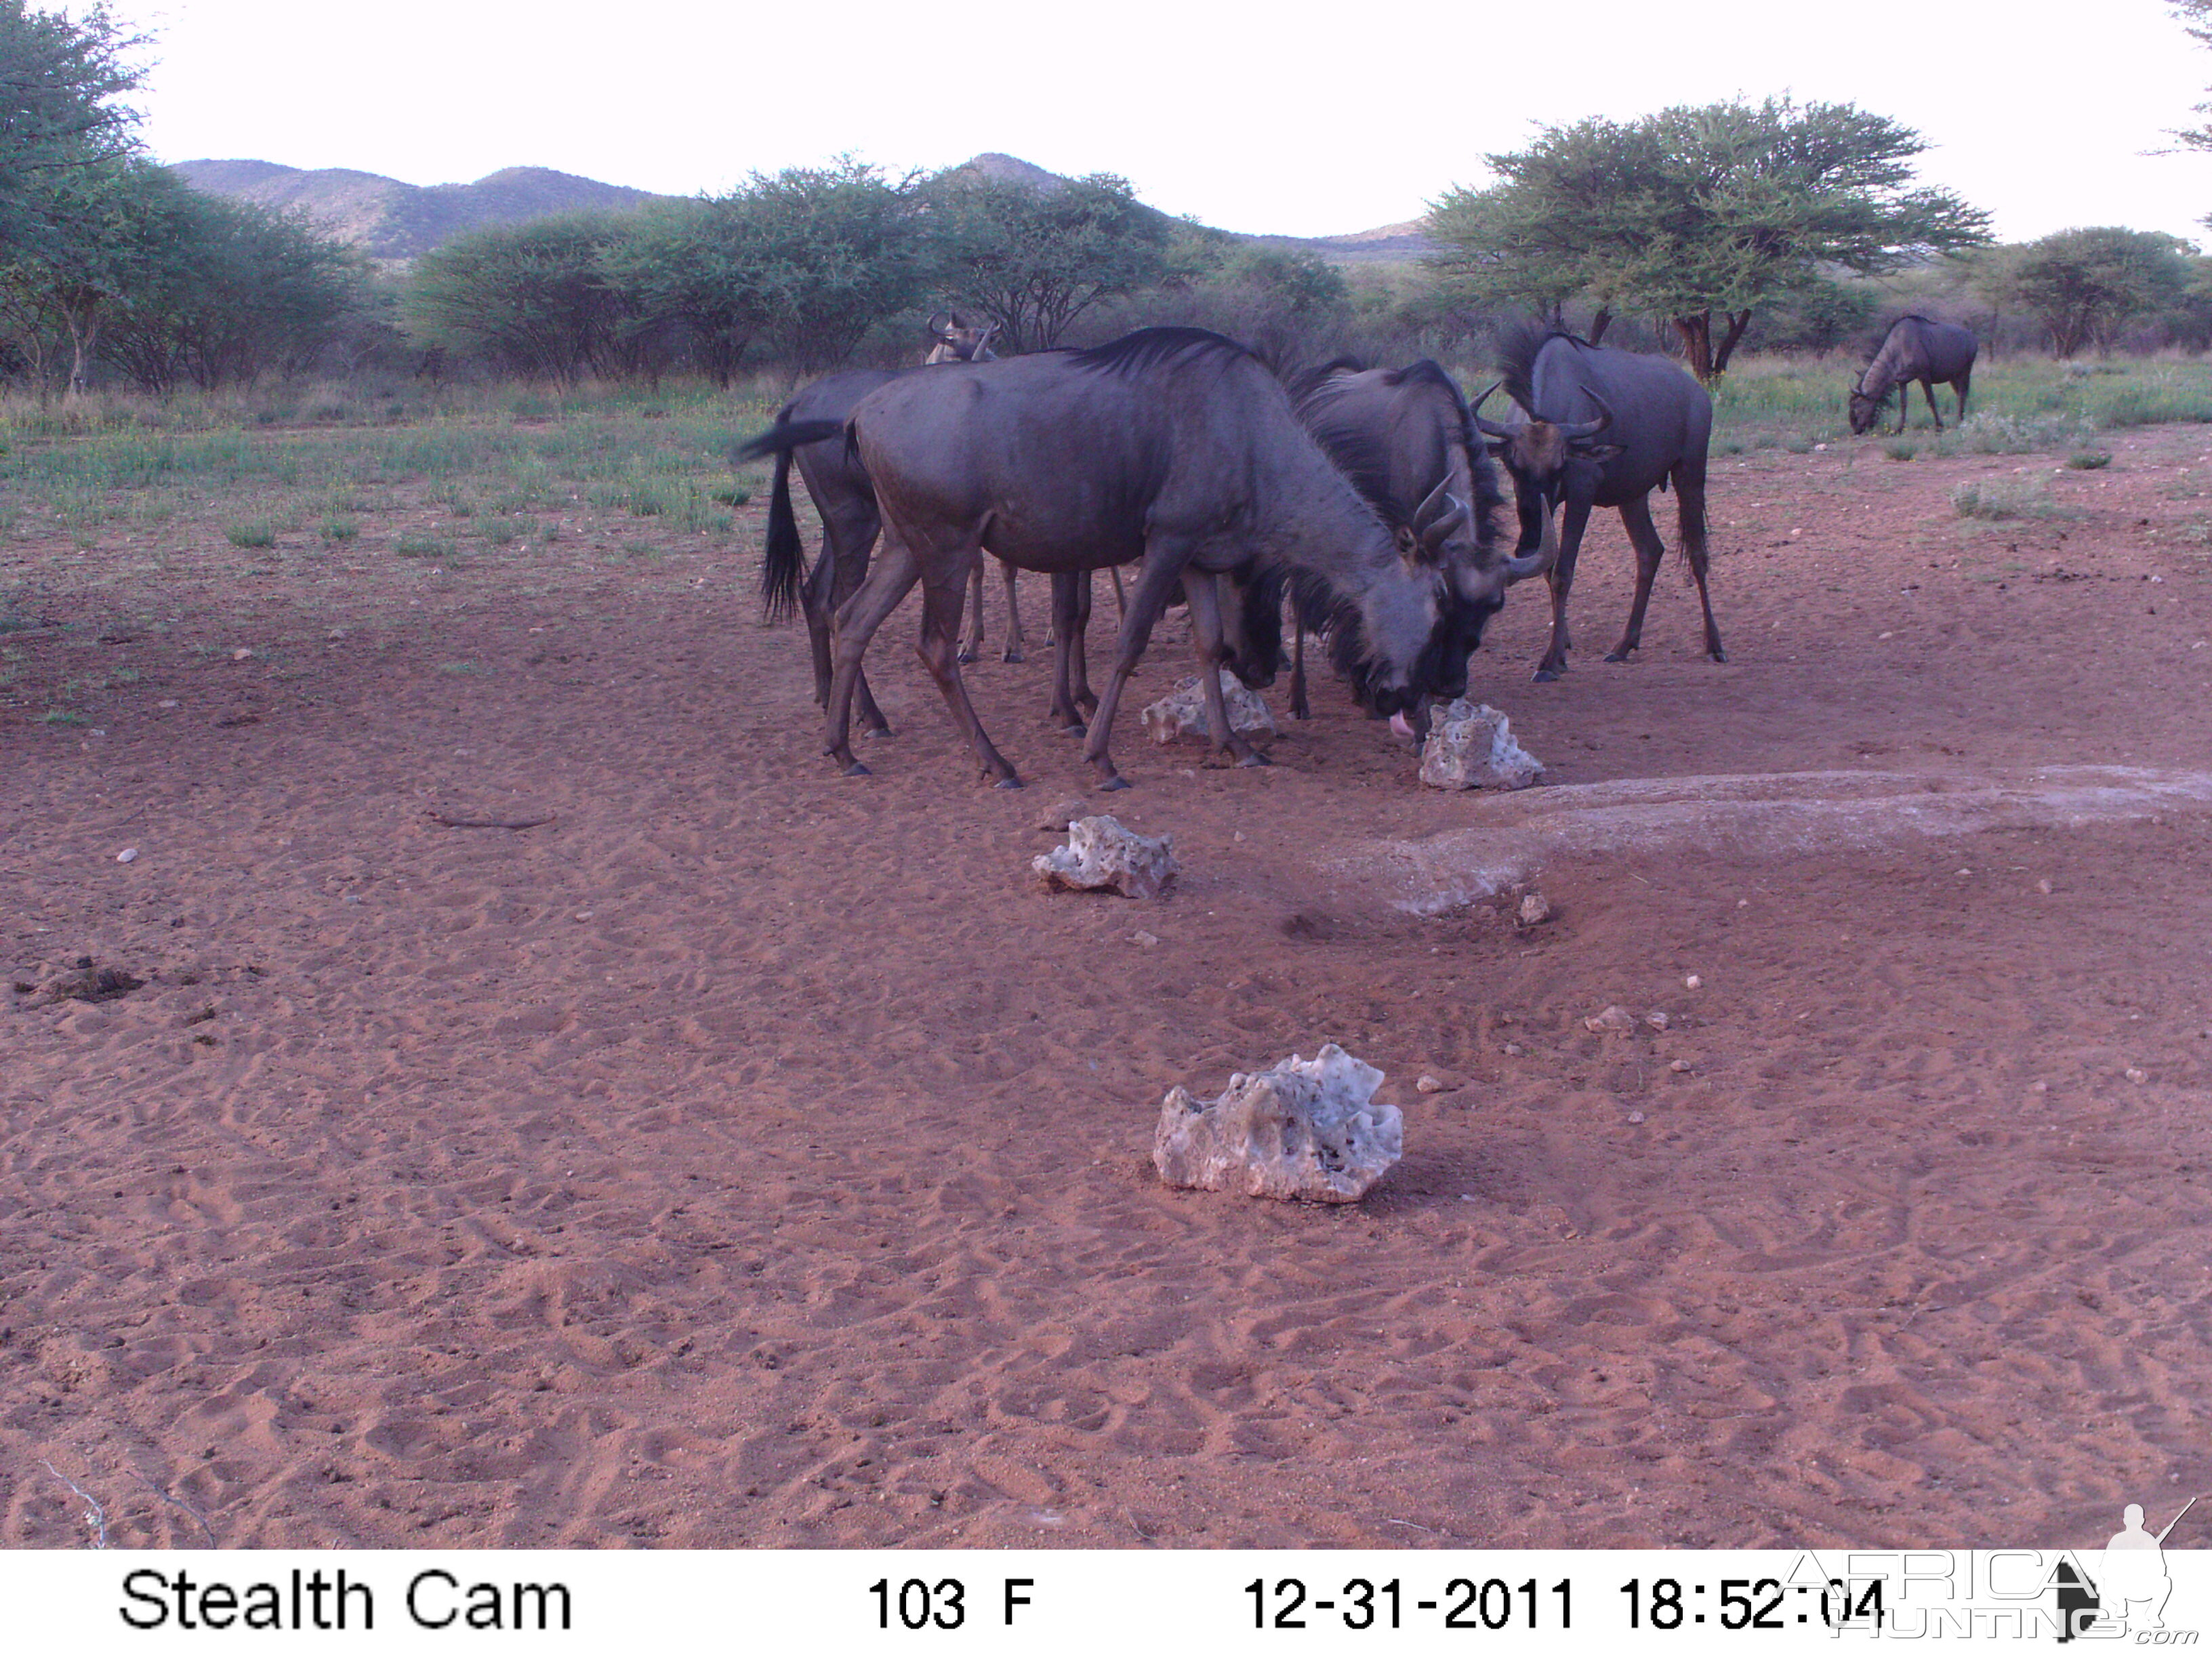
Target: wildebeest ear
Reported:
[(1597, 452), (1409, 544)]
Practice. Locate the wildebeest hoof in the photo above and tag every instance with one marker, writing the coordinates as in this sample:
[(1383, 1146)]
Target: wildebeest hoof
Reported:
[(1616, 656), (1013, 656), (1117, 782), (968, 656), (856, 770), (1544, 674), (879, 728), (1008, 783), (1254, 759), (1717, 654)]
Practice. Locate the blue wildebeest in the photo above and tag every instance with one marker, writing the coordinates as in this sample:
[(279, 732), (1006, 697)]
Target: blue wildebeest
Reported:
[(1914, 349), (847, 505), (1407, 440), (1171, 445), (1600, 427)]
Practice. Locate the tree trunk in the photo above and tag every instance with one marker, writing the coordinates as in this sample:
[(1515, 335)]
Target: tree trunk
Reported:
[(1737, 322), (83, 319), (1697, 331), (1600, 322)]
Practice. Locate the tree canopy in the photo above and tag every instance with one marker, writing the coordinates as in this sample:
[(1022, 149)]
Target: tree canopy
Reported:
[(1720, 209), (2084, 286), (1033, 260)]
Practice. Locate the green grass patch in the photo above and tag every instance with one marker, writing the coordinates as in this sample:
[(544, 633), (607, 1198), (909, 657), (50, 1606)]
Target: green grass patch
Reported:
[(425, 547), (251, 532), (2005, 498), (2089, 460), (337, 528)]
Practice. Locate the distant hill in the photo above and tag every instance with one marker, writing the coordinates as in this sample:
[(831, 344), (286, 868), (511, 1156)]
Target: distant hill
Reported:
[(389, 220)]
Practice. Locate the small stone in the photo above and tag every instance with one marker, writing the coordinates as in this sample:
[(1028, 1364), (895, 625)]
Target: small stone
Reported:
[(1180, 716), (1695, 981), (1678, 1065), (1743, 904), (1535, 910), (1471, 746), (1301, 1129), (336, 633), (1143, 938), (583, 915), (1635, 1117), (1657, 1020), (2044, 887), (1103, 854), (128, 856), (1236, 835), (167, 702), (1510, 1049), (240, 654), (1614, 1019), (1065, 813), (1428, 1084), (2136, 1074), (1965, 872)]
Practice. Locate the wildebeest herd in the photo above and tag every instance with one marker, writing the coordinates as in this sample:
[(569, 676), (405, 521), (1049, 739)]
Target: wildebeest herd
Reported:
[(1368, 497)]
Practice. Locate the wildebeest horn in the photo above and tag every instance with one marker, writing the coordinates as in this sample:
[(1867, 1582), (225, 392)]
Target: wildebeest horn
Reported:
[(1432, 504), (1572, 430), (1537, 563), (1488, 428), (941, 325)]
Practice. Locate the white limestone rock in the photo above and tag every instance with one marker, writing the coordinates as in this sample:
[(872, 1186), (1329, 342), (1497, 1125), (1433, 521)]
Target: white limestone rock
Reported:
[(1180, 716), (1303, 1128), (1471, 746), (1103, 853)]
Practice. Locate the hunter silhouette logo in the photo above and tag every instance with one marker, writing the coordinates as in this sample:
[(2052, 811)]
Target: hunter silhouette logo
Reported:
[(2131, 1585)]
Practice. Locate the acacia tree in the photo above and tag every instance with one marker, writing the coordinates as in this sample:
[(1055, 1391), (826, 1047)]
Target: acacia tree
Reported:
[(1032, 257), (537, 299), (1699, 214), (2085, 286)]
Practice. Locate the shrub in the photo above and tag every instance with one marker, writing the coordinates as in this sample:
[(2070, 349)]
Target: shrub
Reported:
[(252, 533), (2088, 460)]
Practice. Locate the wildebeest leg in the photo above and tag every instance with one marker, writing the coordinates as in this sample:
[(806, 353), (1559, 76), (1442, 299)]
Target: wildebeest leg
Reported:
[(940, 654), (1203, 594), (1928, 391), (1573, 520), (1070, 680), (848, 537), (971, 648), (1154, 587), (1960, 386), (1013, 615), (895, 571), (1690, 506), (1299, 710), (1643, 536)]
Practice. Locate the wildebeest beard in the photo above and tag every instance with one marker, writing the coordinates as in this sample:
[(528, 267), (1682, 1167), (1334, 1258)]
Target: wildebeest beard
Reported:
[(1440, 672)]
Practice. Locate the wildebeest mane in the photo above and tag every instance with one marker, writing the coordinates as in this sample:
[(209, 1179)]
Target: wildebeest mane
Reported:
[(1361, 452), (1154, 347), (1518, 346), (1306, 381)]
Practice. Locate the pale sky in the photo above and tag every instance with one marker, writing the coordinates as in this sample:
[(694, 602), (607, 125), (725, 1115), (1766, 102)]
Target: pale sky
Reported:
[(1296, 120)]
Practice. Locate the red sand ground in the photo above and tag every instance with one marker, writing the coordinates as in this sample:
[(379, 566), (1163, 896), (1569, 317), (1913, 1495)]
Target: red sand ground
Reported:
[(752, 1156)]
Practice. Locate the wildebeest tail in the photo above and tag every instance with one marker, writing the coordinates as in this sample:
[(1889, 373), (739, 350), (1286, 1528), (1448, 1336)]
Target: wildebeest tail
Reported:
[(785, 437), (780, 570)]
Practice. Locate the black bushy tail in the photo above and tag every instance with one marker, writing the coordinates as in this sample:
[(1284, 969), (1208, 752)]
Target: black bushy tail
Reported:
[(784, 566), (781, 569)]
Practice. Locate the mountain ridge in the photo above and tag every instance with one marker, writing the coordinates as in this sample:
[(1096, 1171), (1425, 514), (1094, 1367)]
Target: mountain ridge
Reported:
[(389, 219)]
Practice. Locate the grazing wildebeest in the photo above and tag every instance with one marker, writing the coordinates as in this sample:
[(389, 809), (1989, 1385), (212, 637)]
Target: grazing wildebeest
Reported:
[(1407, 440), (1173, 445), (847, 504), (1601, 428), (1914, 349)]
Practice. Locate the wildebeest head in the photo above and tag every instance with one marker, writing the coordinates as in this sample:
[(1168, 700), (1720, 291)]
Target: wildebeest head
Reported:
[(1865, 410), (1538, 453), (959, 341)]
